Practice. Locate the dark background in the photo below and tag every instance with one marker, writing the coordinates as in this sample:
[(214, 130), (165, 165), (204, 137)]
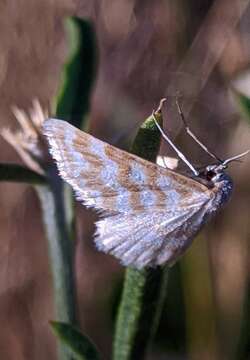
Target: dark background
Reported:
[(147, 50)]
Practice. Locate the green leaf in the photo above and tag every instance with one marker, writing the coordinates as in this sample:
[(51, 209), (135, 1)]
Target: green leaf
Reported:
[(73, 100), (148, 138), (82, 348)]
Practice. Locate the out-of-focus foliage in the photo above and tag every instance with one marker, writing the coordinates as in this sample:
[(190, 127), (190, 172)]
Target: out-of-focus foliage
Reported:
[(17, 173), (244, 103)]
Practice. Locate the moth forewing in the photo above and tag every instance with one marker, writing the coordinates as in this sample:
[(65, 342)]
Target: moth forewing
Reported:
[(105, 177), (150, 214)]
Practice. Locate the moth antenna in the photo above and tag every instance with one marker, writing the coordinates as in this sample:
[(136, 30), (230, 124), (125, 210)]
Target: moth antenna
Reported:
[(190, 133), (178, 152), (235, 158)]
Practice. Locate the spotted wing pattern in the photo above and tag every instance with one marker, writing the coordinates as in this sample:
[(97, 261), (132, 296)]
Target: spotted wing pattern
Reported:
[(145, 205)]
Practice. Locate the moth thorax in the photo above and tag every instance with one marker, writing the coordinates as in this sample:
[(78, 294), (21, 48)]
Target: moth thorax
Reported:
[(224, 185)]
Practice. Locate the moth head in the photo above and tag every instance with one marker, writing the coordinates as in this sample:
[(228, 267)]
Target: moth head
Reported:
[(216, 172)]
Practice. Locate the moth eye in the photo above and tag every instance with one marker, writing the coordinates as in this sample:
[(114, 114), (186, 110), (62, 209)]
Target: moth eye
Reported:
[(210, 174)]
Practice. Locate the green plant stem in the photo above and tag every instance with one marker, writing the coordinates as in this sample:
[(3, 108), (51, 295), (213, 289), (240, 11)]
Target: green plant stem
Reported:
[(139, 312), (144, 290), (72, 104), (19, 173), (60, 250)]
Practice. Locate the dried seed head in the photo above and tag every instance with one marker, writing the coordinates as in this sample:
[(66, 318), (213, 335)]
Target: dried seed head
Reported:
[(28, 140)]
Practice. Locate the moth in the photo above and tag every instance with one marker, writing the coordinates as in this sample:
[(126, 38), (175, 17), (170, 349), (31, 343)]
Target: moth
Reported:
[(149, 214)]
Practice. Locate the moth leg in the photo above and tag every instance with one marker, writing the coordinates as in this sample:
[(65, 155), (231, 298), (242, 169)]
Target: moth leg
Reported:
[(179, 153), (190, 133)]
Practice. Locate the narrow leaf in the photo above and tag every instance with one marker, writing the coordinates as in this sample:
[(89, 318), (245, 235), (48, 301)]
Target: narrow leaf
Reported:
[(80, 345), (79, 71)]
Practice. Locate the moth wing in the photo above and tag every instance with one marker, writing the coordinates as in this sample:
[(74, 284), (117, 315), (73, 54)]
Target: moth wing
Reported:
[(112, 180), (149, 239)]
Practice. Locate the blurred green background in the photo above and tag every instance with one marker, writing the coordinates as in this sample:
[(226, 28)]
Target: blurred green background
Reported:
[(146, 50)]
